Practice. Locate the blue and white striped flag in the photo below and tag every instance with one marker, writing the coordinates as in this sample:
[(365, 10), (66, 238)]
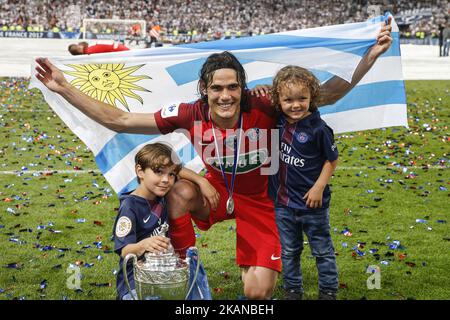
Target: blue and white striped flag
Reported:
[(146, 80)]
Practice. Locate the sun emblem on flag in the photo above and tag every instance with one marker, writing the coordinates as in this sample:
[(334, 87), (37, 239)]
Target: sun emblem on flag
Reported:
[(108, 82)]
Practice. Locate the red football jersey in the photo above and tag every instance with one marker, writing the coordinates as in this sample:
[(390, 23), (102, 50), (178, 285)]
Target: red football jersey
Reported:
[(255, 148)]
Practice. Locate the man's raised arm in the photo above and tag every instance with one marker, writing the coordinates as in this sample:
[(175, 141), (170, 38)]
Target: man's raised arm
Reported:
[(335, 88), (106, 115)]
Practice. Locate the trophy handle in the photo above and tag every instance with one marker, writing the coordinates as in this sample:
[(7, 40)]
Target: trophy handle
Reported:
[(125, 274), (188, 260)]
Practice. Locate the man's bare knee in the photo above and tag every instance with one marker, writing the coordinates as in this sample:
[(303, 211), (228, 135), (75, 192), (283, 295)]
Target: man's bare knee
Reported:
[(183, 190), (181, 198)]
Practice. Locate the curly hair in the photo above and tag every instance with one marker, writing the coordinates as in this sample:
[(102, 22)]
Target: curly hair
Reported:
[(294, 75)]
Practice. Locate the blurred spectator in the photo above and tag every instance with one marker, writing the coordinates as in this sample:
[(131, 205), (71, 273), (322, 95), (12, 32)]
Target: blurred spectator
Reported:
[(446, 38), (153, 35), (199, 20)]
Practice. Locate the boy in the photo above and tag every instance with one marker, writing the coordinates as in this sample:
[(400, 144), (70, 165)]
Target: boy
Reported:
[(143, 212), (300, 190)]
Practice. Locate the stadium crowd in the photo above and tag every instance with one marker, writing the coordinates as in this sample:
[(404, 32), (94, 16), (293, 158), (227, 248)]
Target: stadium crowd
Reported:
[(197, 20)]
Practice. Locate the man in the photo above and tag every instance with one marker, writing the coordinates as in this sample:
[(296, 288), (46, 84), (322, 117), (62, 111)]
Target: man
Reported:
[(84, 48), (153, 36), (446, 39), (441, 39), (225, 104)]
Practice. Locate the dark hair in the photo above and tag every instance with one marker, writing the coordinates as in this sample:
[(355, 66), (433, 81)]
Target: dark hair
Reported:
[(296, 75), (73, 49), (156, 156), (223, 60)]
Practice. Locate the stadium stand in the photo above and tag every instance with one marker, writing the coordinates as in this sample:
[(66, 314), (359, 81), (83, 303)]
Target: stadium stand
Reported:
[(183, 21)]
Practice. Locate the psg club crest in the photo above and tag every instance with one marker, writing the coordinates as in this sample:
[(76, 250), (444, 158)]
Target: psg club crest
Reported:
[(302, 137)]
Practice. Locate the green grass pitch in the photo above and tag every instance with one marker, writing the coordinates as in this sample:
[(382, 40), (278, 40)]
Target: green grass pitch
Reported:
[(390, 191)]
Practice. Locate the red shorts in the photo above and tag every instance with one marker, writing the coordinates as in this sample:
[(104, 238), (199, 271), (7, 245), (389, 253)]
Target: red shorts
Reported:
[(258, 243)]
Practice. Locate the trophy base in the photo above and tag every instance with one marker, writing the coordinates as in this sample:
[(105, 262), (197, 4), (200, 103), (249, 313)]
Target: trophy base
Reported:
[(166, 291)]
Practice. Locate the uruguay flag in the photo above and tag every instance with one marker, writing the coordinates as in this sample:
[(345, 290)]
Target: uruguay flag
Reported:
[(149, 79)]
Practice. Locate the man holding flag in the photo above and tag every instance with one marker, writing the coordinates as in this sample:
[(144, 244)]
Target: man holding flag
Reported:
[(225, 104)]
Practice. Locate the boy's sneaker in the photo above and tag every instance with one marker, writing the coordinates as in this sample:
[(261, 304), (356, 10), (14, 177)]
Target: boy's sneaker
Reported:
[(327, 295), (292, 294)]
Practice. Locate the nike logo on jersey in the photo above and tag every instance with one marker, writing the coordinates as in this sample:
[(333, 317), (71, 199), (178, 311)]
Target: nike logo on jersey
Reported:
[(145, 220), (275, 258)]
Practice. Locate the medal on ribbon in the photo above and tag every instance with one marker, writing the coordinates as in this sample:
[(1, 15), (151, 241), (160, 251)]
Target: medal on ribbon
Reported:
[(237, 147)]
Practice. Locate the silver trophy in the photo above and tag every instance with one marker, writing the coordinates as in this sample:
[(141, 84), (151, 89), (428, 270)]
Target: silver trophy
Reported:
[(159, 276)]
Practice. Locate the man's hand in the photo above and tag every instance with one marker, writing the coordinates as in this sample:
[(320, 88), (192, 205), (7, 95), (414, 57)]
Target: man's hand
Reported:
[(384, 40), (261, 90), (50, 75), (209, 194)]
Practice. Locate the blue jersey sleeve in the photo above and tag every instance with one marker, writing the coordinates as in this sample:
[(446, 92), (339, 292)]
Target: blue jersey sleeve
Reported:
[(125, 227), (327, 145)]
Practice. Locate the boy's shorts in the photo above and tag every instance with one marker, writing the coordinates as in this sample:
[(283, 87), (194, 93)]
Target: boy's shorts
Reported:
[(258, 243)]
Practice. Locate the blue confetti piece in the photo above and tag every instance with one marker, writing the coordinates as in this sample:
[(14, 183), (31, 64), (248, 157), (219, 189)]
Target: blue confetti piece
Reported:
[(438, 221), (344, 244), (442, 188), (98, 244), (88, 265), (384, 262), (421, 221), (43, 284), (81, 220), (395, 244)]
